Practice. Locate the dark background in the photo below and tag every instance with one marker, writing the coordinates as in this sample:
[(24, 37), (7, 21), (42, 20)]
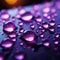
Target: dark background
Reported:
[(3, 5)]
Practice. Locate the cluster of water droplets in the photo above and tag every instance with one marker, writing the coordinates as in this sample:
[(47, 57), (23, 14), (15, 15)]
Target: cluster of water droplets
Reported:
[(30, 27)]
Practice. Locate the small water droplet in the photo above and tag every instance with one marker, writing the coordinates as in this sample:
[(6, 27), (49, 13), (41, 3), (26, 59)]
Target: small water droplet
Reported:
[(46, 44), (1, 57), (5, 16), (45, 25), (32, 26), (51, 30), (19, 56), (52, 23), (21, 30), (21, 23), (38, 19)]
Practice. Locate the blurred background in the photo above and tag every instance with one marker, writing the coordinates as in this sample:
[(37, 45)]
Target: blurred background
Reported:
[(6, 4)]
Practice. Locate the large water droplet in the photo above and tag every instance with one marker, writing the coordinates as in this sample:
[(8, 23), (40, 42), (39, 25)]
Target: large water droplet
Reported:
[(27, 17), (29, 37), (9, 27), (7, 44)]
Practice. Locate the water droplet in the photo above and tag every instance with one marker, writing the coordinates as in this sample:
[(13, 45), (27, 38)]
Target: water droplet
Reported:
[(53, 10), (51, 30), (45, 25), (57, 35), (21, 11), (58, 25), (7, 44), (18, 16), (29, 37), (5, 16), (43, 30), (38, 19), (40, 27), (52, 23), (36, 7), (9, 27), (46, 10), (1, 57), (56, 42), (19, 56), (46, 44), (21, 30), (45, 15), (13, 18), (13, 34), (41, 35), (21, 43), (27, 17), (37, 30), (48, 17), (32, 26), (20, 23)]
